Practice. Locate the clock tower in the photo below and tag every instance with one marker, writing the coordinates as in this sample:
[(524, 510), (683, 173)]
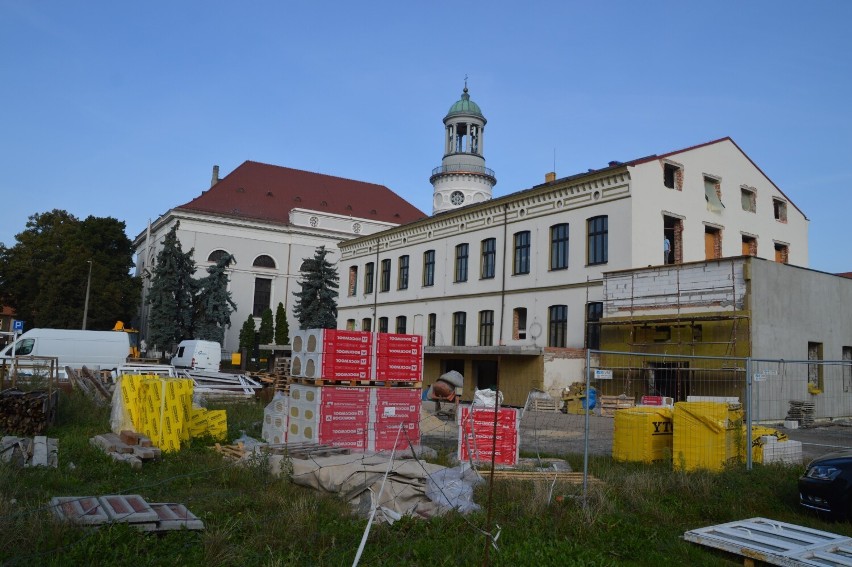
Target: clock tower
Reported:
[(462, 178)]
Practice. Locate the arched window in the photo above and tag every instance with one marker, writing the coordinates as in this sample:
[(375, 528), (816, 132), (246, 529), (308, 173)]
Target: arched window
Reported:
[(264, 261), (216, 255)]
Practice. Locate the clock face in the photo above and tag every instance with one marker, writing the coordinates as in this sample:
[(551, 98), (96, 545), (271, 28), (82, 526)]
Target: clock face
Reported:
[(457, 198)]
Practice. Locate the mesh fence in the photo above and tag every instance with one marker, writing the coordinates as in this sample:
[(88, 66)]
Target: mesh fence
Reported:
[(693, 412)]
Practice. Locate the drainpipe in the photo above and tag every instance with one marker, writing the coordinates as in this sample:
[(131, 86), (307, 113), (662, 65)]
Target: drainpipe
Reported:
[(376, 290), (503, 283)]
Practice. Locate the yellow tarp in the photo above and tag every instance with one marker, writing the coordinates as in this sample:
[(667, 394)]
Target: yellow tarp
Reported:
[(707, 435), (643, 434)]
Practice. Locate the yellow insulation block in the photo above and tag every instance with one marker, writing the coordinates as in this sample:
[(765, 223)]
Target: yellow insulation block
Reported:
[(643, 434), (758, 432), (707, 435), (217, 424)]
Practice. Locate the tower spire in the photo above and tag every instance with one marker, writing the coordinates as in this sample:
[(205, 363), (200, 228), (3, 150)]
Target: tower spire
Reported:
[(462, 177)]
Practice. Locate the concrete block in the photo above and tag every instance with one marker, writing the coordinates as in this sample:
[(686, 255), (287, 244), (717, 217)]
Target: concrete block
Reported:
[(85, 510), (128, 508)]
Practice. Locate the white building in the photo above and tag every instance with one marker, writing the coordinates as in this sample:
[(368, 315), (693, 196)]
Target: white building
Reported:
[(270, 218), (509, 284)]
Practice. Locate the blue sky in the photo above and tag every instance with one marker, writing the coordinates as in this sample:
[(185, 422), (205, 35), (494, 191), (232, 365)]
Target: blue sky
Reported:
[(121, 109)]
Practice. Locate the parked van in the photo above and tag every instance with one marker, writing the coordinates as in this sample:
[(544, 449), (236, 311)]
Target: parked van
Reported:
[(97, 350), (200, 355)]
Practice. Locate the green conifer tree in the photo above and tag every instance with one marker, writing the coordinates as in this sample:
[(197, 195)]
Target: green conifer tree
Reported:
[(282, 329), (247, 334), (316, 303), (266, 333), (213, 303), (172, 294)]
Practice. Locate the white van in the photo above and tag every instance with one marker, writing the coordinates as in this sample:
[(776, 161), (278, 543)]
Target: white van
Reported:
[(96, 350), (200, 355)]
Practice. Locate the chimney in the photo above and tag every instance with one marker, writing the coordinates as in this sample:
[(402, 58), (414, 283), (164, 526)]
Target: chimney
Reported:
[(550, 177), (215, 178)]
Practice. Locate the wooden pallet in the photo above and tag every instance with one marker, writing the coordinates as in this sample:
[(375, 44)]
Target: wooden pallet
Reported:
[(541, 404), (357, 383), (610, 404), (548, 476), (304, 450)]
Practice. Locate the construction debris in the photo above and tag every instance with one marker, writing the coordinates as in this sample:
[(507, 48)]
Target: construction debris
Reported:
[(39, 451), (303, 450), (129, 447), (129, 509), (90, 383), (27, 413)]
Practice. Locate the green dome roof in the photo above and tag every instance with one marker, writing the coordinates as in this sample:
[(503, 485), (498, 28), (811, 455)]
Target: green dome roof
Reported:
[(465, 106)]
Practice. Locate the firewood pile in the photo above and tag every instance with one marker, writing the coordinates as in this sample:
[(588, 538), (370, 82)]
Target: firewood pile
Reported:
[(27, 413)]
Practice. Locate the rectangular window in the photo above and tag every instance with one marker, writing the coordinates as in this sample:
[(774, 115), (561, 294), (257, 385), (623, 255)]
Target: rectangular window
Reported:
[(366, 324), (486, 328), (384, 284), (401, 324), (557, 318), (433, 329), (262, 296), (428, 268), (559, 246), (521, 263), (383, 324), (489, 258), (461, 263), (350, 324), (519, 324), (749, 200), (712, 243), (713, 194), (815, 370), (353, 280), (459, 327), (670, 176), (749, 245), (782, 253), (369, 277), (779, 209), (598, 240), (402, 273), (594, 312)]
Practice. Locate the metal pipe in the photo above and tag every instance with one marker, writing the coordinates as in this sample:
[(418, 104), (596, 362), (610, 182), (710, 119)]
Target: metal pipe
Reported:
[(88, 287)]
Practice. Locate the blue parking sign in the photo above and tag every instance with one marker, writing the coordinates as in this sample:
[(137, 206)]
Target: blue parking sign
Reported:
[(17, 325)]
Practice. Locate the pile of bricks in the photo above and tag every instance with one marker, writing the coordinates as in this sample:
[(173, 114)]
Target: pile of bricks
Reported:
[(129, 447)]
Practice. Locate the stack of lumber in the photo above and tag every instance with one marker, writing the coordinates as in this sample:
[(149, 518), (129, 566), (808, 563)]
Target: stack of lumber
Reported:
[(610, 404), (549, 476), (27, 413), (90, 383), (129, 447), (39, 451), (803, 412)]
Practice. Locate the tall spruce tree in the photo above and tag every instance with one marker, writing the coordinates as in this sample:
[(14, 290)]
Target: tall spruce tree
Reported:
[(213, 303), (172, 294), (316, 305), (282, 329)]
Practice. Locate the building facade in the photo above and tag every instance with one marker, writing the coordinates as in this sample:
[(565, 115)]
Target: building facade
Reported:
[(270, 219), (727, 310), (511, 288)]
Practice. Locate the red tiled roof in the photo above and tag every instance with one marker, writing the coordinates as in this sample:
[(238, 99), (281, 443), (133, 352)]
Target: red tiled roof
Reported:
[(6, 311), (845, 275), (268, 192)]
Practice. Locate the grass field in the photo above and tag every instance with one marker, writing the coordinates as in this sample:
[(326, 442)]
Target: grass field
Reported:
[(637, 515)]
